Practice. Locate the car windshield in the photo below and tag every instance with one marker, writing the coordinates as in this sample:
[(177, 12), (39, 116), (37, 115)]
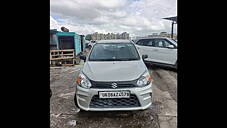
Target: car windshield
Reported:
[(114, 52)]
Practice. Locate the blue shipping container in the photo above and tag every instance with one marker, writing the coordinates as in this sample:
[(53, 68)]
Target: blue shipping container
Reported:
[(69, 40)]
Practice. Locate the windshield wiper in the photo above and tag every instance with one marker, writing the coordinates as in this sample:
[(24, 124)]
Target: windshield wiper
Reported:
[(103, 60), (127, 59)]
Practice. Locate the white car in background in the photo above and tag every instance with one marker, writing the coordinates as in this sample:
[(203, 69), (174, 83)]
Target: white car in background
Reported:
[(160, 50)]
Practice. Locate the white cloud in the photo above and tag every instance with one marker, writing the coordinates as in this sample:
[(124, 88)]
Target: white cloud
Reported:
[(54, 24), (111, 4), (79, 29), (138, 17)]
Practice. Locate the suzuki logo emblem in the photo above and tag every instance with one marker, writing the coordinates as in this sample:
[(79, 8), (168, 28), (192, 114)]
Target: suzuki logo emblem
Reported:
[(114, 85)]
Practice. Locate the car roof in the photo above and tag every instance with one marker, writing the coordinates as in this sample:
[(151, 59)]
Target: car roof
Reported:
[(153, 38), (114, 41), (156, 38)]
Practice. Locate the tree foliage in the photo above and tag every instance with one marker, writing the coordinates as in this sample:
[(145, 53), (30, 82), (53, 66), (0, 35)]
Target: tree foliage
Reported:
[(88, 37)]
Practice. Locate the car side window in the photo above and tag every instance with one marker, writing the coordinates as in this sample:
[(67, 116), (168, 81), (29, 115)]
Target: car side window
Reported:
[(162, 43), (158, 43), (167, 43), (150, 43), (142, 42), (139, 42), (146, 42)]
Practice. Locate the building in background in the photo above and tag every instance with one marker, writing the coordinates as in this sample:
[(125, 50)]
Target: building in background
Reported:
[(125, 35), (108, 36), (163, 34)]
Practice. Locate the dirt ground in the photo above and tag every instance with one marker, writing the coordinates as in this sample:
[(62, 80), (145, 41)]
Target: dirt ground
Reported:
[(64, 114)]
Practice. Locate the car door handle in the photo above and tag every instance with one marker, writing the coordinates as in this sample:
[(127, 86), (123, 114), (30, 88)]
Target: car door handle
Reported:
[(155, 50)]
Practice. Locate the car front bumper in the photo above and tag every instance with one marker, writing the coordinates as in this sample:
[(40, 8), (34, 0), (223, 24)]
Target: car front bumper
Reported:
[(143, 94)]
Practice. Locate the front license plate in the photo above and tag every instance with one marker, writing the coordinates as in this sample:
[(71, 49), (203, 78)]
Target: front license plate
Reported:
[(115, 94)]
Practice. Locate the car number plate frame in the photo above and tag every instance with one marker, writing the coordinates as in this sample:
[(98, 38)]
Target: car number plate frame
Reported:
[(114, 94)]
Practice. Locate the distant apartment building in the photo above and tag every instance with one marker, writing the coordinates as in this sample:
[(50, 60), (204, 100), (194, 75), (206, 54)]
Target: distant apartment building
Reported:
[(118, 36), (102, 36), (108, 36), (112, 36), (125, 35), (163, 34), (115, 36), (153, 35)]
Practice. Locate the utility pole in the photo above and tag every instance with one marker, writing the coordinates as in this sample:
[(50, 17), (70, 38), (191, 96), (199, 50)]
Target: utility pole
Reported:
[(172, 29), (174, 21)]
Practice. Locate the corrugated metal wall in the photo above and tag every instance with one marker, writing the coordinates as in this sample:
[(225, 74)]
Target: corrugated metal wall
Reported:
[(77, 44), (53, 42), (77, 40)]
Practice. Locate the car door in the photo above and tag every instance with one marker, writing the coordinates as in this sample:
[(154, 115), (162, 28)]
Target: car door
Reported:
[(162, 53), (143, 46)]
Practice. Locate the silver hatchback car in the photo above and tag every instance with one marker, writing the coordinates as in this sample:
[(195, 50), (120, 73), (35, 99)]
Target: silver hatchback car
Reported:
[(113, 78)]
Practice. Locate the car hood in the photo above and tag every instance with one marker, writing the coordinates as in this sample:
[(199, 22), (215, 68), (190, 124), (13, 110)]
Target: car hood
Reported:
[(114, 71)]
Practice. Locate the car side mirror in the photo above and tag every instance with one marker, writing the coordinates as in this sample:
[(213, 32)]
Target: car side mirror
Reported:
[(170, 47), (144, 56), (83, 57)]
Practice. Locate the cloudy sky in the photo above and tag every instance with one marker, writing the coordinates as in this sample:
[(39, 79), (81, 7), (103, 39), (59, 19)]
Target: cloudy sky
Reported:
[(137, 17)]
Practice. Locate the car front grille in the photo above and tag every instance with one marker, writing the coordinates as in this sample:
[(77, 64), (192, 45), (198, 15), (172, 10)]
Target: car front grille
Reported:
[(106, 85), (96, 102)]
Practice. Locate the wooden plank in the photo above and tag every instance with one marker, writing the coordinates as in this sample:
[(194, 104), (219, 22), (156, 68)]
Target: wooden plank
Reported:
[(67, 64), (71, 50), (64, 55), (62, 58), (60, 50), (67, 52), (71, 54), (63, 63)]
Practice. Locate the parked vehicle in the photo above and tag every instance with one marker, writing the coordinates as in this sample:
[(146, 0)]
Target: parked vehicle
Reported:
[(160, 50), (114, 77), (91, 43)]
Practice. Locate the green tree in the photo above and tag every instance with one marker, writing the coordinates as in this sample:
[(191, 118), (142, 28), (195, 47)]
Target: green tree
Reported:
[(88, 37)]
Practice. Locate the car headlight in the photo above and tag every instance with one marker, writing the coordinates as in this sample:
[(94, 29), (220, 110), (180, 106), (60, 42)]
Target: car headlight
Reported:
[(144, 80), (82, 81)]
